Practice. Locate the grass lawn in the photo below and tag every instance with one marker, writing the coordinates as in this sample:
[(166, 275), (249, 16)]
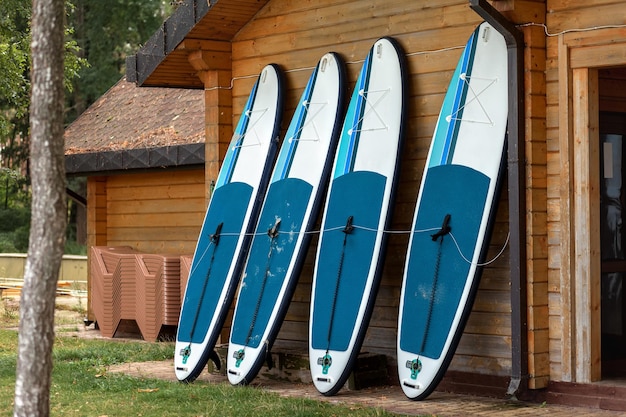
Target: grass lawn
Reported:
[(81, 385)]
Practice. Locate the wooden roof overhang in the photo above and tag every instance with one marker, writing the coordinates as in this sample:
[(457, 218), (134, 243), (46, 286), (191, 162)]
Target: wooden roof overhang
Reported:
[(189, 155), (196, 26)]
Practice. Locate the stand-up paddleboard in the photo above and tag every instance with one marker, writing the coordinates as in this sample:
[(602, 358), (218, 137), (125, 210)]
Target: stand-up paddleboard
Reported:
[(289, 212), (455, 211), (358, 210), (230, 218)]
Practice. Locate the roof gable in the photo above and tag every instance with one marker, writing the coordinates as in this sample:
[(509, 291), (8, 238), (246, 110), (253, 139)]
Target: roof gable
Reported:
[(163, 62)]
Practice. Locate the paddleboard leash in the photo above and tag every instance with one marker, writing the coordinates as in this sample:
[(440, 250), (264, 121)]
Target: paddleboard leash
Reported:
[(213, 241), (416, 365), (326, 360), (273, 234)]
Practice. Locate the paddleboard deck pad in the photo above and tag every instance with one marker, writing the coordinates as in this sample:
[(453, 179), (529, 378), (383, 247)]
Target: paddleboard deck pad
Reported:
[(454, 214), (358, 210), (290, 210), (230, 218)]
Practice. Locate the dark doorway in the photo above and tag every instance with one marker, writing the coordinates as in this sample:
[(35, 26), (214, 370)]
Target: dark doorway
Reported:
[(612, 83)]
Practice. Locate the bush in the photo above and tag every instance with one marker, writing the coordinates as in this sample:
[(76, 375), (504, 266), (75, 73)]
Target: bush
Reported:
[(20, 238), (6, 243), (13, 218)]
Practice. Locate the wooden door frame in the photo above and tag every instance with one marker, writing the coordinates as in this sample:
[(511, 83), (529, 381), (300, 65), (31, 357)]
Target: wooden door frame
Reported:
[(580, 56)]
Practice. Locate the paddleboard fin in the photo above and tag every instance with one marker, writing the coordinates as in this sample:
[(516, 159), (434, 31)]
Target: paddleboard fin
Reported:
[(445, 229), (216, 359), (269, 360)]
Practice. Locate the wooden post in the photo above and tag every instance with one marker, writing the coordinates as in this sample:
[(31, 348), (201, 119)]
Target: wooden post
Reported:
[(213, 62), (567, 225), (587, 231)]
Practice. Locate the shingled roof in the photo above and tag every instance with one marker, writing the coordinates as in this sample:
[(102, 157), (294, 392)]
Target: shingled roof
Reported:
[(132, 128)]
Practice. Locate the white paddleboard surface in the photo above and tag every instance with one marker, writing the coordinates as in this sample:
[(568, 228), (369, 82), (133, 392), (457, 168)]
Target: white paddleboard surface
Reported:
[(462, 175), (231, 213), (350, 253), (290, 209)]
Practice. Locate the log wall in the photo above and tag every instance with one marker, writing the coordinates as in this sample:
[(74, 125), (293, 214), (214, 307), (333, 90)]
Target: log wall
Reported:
[(295, 35)]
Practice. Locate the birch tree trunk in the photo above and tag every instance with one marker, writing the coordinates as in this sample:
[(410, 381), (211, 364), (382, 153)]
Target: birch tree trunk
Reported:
[(49, 207)]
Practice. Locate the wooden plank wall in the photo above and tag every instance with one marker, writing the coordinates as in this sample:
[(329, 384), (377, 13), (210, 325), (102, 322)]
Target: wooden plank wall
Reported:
[(295, 34), (96, 225), (159, 212), (567, 48)]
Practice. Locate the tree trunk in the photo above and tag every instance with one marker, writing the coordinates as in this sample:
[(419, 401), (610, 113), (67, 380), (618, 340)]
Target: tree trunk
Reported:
[(48, 221)]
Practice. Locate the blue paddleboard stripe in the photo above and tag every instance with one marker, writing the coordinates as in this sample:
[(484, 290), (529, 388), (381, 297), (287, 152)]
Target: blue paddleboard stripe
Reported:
[(364, 81), (358, 194), (447, 132), (461, 192), (232, 154), (351, 131), (294, 132), (287, 200), (228, 206)]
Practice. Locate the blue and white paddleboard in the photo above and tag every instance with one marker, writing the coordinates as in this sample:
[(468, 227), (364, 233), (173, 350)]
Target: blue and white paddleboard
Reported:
[(455, 210), (358, 211), (230, 218), (289, 213)]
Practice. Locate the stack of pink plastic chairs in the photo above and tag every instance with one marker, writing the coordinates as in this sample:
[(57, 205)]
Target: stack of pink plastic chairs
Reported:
[(130, 285)]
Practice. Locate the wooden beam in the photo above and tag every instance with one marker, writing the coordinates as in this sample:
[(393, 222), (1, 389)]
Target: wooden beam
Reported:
[(566, 155), (587, 232), (203, 60)]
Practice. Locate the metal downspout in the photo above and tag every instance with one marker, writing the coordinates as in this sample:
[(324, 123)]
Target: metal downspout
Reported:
[(517, 189)]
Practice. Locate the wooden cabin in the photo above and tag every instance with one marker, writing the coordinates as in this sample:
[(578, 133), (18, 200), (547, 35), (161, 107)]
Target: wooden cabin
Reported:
[(549, 320), (142, 152)]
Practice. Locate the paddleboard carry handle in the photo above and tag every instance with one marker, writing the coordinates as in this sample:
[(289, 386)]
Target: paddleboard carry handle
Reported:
[(272, 232)]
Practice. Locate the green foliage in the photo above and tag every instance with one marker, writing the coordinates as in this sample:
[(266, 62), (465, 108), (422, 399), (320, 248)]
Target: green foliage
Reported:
[(106, 32), (14, 212), (14, 65), (99, 35), (15, 36)]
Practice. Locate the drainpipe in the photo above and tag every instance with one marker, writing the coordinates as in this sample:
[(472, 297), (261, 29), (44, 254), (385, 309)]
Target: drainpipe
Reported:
[(517, 189)]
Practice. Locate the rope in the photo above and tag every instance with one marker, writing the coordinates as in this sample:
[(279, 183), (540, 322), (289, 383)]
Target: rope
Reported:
[(347, 230), (393, 232), (251, 128), (370, 108), (310, 121), (466, 80)]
